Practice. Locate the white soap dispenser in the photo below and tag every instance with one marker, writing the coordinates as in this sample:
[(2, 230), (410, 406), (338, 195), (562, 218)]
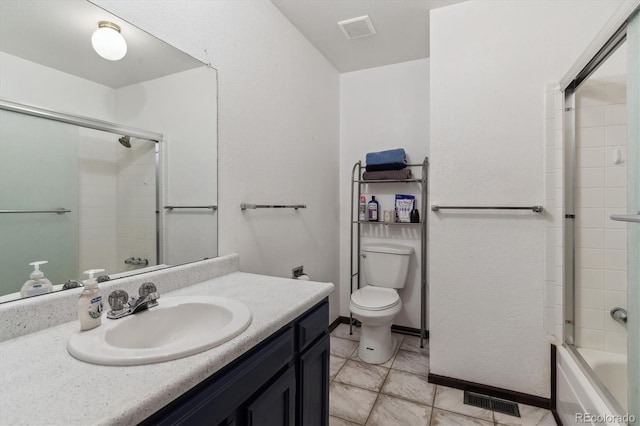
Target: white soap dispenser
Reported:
[(37, 284), (90, 303)]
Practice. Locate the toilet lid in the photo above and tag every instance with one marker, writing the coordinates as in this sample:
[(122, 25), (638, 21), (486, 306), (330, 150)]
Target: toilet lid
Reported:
[(375, 298)]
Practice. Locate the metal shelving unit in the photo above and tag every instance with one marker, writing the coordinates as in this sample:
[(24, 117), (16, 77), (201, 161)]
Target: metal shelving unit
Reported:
[(356, 190)]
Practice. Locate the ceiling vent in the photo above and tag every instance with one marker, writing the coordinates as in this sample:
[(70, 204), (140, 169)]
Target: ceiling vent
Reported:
[(357, 27)]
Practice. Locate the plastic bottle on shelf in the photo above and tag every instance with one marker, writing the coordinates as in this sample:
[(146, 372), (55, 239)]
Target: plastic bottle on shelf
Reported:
[(362, 209), (373, 208)]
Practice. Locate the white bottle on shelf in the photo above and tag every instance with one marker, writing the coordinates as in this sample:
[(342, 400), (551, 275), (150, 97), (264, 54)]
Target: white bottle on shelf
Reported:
[(90, 303)]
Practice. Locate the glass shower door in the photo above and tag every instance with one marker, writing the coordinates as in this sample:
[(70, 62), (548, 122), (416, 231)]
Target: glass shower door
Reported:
[(632, 217)]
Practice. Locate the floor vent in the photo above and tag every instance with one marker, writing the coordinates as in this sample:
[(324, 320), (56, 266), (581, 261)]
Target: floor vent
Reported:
[(489, 403)]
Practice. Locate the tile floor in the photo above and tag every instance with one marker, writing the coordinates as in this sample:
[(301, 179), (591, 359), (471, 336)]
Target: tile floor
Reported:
[(397, 392)]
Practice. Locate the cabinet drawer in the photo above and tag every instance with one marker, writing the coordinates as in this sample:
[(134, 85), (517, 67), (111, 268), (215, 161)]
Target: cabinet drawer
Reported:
[(313, 325)]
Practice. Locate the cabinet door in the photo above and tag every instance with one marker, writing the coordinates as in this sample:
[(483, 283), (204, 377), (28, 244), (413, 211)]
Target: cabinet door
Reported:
[(313, 398), (276, 405)]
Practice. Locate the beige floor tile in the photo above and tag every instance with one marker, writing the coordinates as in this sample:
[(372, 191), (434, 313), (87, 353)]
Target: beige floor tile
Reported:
[(409, 386), (451, 399), (411, 362), (412, 344), (390, 411), (342, 331), (363, 375), (350, 403), (342, 347), (335, 364), (529, 416), (335, 421), (447, 418)]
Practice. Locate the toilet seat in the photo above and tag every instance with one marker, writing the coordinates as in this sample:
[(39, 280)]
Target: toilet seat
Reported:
[(375, 298)]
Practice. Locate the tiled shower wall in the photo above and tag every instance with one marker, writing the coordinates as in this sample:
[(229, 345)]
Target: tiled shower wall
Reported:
[(554, 212), (136, 203), (600, 243), (97, 163)]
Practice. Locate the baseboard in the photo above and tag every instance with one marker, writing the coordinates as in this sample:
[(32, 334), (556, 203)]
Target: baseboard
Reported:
[(336, 323), (395, 328), (554, 385), (553, 381), (523, 398)]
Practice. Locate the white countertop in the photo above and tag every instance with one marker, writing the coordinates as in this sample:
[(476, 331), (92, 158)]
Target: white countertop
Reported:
[(40, 383)]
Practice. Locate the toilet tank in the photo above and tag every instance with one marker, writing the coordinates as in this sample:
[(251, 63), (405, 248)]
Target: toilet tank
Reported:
[(386, 265)]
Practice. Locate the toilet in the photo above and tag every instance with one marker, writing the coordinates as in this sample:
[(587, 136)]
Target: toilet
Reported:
[(376, 305)]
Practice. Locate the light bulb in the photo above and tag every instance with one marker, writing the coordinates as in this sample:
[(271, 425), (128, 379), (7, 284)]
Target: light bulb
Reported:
[(108, 42)]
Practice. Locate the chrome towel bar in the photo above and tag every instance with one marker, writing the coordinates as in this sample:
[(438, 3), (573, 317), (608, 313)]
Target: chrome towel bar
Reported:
[(191, 207), (536, 209), (59, 210), (245, 206)]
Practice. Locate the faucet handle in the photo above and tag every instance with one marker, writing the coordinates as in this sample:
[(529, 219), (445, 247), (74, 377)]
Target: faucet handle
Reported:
[(71, 284), (118, 299), (147, 288)]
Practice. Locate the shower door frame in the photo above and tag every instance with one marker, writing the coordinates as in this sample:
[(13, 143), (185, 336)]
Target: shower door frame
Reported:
[(605, 44)]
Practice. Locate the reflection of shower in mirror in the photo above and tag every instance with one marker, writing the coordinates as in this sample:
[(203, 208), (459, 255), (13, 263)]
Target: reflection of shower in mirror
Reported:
[(125, 141)]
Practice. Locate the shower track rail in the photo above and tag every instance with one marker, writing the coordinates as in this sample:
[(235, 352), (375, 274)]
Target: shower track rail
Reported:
[(79, 120), (536, 209), (60, 210)]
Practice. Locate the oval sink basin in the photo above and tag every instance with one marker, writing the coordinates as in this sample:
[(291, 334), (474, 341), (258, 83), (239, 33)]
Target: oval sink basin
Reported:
[(177, 327)]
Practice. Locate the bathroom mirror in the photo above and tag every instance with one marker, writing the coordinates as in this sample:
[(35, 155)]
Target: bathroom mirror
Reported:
[(131, 202)]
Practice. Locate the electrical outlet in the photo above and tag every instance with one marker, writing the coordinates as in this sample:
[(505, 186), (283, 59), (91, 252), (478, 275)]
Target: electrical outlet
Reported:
[(297, 271)]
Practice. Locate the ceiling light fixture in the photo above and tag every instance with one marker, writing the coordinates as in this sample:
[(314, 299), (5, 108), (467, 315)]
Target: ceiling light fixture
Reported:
[(108, 42)]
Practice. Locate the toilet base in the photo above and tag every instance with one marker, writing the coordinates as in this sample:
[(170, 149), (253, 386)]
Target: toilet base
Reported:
[(377, 345)]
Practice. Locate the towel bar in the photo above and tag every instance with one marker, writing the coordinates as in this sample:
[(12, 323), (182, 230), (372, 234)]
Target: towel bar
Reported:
[(536, 209), (245, 206), (59, 210), (191, 207)]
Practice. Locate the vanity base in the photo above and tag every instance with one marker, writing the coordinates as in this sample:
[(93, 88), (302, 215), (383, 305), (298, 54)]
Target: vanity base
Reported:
[(282, 381)]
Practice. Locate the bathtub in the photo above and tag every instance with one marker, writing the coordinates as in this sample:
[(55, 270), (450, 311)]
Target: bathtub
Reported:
[(576, 394), (611, 369)]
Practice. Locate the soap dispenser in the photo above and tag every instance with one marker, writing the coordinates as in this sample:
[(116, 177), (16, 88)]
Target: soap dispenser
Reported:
[(90, 303), (37, 284)]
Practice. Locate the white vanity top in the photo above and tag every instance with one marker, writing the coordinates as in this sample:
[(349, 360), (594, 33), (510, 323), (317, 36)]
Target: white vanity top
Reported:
[(40, 383)]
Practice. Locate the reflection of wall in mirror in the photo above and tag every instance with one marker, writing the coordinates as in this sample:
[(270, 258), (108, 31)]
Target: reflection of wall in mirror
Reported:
[(102, 168), (182, 107)]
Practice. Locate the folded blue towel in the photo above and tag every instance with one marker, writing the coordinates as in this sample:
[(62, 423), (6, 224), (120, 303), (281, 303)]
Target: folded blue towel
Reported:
[(386, 157)]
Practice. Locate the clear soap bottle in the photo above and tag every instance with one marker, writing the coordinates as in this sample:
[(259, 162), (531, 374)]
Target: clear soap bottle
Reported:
[(90, 303)]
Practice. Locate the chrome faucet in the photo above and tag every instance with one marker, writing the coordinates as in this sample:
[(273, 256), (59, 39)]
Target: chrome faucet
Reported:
[(122, 306)]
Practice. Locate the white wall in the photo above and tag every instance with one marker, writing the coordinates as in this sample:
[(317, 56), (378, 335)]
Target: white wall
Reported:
[(278, 129), (183, 108), (34, 84), (490, 63), (383, 108)]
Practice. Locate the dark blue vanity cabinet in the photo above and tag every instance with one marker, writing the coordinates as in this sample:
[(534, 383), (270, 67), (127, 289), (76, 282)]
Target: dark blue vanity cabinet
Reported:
[(283, 381)]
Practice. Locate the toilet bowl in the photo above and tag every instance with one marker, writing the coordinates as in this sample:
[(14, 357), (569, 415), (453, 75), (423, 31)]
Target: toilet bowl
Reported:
[(375, 308), (386, 267)]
